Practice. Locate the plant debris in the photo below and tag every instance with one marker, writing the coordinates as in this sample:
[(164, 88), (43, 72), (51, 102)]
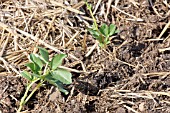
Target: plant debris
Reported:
[(130, 75)]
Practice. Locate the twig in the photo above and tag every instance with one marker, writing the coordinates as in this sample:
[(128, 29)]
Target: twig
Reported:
[(66, 7), (4, 46), (116, 2), (124, 62), (6, 64), (137, 19), (97, 5), (40, 41), (164, 49), (131, 109), (72, 38), (150, 1), (108, 8), (164, 30), (166, 38), (156, 73), (72, 56), (92, 49)]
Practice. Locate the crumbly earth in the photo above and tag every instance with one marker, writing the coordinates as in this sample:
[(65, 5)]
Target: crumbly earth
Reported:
[(131, 75)]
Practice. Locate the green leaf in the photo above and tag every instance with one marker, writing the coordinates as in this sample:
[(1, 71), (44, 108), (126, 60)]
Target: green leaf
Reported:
[(47, 76), (104, 30), (57, 61), (108, 42), (112, 29), (94, 32), (116, 31), (62, 75), (101, 45), (27, 75), (60, 87), (94, 27), (31, 66), (97, 37), (36, 60), (56, 83), (35, 75), (34, 67), (44, 53)]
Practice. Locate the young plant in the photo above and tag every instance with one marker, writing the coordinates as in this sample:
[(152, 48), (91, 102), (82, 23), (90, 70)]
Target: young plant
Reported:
[(44, 70), (103, 33)]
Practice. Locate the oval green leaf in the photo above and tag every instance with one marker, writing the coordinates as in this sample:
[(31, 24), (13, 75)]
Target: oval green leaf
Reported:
[(34, 67), (116, 31), (35, 75), (59, 86), (27, 75), (31, 66), (44, 54), (104, 30), (94, 32), (56, 83), (57, 61), (36, 60), (62, 75), (112, 30)]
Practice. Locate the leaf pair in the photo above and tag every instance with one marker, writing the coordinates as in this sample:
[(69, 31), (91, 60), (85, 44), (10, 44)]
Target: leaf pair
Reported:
[(56, 61), (37, 62)]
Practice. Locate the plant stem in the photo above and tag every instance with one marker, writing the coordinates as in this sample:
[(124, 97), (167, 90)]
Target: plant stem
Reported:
[(91, 13), (25, 95), (95, 23), (35, 89)]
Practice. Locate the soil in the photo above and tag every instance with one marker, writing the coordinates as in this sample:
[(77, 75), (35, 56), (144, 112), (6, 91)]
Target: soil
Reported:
[(131, 75)]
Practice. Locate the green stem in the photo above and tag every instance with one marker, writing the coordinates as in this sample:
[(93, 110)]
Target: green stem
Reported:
[(95, 23), (25, 95), (35, 89), (91, 13)]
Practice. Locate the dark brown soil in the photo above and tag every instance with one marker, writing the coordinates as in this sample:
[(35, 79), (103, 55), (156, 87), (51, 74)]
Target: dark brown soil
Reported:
[(130, 75)]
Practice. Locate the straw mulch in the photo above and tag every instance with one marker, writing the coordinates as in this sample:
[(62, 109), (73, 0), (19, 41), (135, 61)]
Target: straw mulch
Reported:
[(130, 75)]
